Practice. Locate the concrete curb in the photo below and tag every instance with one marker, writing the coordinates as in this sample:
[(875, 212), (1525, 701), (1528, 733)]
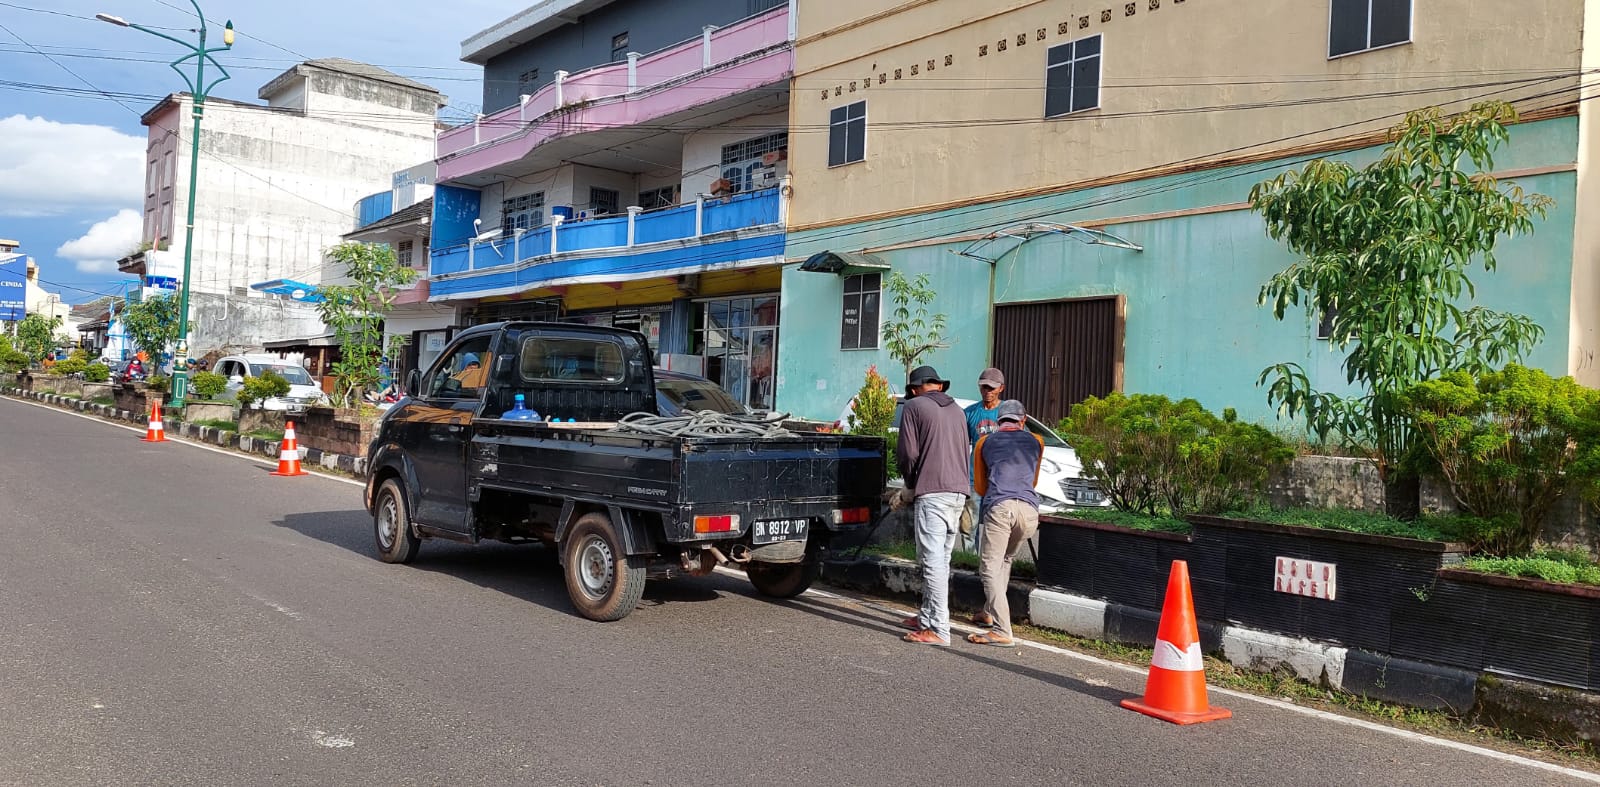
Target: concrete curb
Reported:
[(1528, 708), (900, 579), (354, 465)]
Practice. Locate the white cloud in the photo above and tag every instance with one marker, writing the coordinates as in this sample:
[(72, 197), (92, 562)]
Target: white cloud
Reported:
[(49, 168), (98, 250)]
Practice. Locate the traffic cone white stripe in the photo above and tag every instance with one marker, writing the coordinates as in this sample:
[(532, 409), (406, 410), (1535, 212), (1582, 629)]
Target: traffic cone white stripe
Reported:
[(1171, 657)]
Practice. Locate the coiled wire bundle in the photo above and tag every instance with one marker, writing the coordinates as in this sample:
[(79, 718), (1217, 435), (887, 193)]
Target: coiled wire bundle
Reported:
[(706, 423)]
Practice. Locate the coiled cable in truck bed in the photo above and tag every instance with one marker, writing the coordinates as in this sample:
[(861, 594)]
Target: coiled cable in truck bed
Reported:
[(706, 423)]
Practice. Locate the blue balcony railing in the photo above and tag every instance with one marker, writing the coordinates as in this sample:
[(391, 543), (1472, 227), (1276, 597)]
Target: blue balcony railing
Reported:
[(711, 217)]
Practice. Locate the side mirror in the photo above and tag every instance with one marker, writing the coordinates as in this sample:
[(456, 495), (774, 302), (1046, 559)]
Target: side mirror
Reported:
[(413, 383)]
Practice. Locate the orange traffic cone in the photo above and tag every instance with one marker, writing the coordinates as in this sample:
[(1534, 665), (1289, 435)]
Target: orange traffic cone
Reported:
[(288, 453), (156, 432), (1176, 688)]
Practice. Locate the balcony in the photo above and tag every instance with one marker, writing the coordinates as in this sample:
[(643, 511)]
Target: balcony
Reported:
[(717, 67), (746, 229)]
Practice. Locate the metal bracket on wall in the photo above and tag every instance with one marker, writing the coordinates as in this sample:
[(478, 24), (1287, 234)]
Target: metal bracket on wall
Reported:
[(1012, 238)]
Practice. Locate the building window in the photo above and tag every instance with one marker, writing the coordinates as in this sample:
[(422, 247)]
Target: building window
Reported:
[(405, 252), (527, 80), (603, 201), (664, 197), (1359, 25), (522, 213), (1072, 77), (737, 339), (619, 46), (858, 325), (847, 134), (747, 164)]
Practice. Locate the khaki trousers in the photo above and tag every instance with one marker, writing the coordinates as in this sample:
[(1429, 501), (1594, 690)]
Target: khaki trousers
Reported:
[(1005, 526)]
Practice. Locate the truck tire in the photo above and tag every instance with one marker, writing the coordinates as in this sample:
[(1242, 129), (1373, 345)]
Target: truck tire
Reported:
[(604, 582), (391, 525), (783, 580)]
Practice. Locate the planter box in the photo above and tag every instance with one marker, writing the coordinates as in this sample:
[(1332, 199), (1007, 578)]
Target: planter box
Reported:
[(251, 420), (135, 397), (1117, 564), (332, 431), (1522, 628), (1376, 576), (207, 411), (97, 390)]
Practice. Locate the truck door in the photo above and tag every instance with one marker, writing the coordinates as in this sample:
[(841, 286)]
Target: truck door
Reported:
[(436, 428)]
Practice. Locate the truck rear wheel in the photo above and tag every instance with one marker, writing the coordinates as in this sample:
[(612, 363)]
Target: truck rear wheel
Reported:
[(604, 582), (391, 525), (783, 580)]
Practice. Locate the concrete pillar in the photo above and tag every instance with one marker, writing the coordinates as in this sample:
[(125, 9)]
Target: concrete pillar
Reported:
[(794, 20), (633, 71), (555, 224), (633, 216), (699, 214), (705, 45), (561, 92)]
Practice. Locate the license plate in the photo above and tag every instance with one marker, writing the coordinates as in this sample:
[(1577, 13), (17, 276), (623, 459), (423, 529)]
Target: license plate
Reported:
[(774, 530)]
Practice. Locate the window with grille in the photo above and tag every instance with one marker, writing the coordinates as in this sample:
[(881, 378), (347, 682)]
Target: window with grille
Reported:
[(1359, 25), (603, 201), (858, 324), (619, 46), (405, 252), (527, 80), (847, 134), (664, 197), (525, 212), (1072, 77), (742, 160)]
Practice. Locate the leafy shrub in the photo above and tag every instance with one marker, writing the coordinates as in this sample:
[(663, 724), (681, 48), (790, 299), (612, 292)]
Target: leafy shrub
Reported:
[(873, 413), (96, 373), (79, 354), (266, 386), (1553, 565), (208, 385), (1153, 455), (1509, 444), (158, 383), (70, 366)]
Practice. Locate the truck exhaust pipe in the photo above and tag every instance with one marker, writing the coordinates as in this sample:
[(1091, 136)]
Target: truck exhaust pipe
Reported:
[(739, 553)]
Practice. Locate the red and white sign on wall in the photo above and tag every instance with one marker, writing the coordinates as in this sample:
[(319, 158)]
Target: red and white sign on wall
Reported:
[(1306, 578)]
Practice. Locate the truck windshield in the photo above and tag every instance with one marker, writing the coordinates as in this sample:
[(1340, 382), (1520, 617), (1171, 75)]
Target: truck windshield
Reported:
[(294, 374)]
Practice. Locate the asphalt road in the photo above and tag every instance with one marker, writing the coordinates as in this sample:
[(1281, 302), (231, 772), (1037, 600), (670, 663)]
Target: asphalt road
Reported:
[(172, 615)]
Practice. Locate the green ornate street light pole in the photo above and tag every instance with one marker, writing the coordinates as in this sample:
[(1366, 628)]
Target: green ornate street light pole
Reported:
[(198, 88)]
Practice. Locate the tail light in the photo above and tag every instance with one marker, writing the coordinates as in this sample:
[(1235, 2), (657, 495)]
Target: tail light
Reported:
[(726, 523), (852, 516)]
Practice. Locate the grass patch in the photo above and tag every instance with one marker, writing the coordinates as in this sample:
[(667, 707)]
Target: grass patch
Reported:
[(1427, 528), (905, 550), (1112, 516), (108, 401), (218, 423), (265, 434), (1571, 567)]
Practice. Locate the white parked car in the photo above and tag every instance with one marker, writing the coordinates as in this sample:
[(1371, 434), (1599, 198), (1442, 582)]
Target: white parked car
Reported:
[(303, 390), (1061, 482)]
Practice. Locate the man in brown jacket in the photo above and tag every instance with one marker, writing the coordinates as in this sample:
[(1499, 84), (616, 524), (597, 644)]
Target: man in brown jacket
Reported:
[(931, 452)]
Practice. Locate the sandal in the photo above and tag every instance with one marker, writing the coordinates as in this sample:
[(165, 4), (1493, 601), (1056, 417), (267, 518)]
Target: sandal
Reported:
[(982, 619), (991, 638), (926, 637), (913, 623)]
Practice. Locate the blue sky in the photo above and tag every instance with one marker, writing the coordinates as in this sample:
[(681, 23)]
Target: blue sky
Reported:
[(71, 168)]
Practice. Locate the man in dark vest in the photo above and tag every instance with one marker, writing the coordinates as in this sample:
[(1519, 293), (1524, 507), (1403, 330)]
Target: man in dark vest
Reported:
[(1005, 468)]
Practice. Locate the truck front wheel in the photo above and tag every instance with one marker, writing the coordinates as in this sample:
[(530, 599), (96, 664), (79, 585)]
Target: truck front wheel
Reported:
[(603, 581), (783, 580), (391, 525)]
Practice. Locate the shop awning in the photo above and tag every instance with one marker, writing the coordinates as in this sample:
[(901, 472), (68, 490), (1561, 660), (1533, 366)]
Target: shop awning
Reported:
[(843, 263), (325, 340), (298, 290)]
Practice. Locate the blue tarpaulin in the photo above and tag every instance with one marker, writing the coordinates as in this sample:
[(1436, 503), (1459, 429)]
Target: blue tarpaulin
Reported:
[(297, 290)]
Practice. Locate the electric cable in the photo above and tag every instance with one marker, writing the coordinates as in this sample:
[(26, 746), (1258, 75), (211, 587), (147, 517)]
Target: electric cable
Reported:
[(706, 423)]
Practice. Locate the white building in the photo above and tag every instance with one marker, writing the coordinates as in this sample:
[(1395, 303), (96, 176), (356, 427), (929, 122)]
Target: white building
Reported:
[(278, 182)]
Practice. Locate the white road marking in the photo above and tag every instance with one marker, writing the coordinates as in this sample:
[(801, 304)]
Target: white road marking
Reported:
[(327, 741), (1279, 704), (186, 442)]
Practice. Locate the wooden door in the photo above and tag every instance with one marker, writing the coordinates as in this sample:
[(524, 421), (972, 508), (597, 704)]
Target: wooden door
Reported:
[(1058, 353)]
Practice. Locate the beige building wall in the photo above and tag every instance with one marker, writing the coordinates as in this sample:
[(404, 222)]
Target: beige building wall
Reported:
[(955, 90), (1583, 337)]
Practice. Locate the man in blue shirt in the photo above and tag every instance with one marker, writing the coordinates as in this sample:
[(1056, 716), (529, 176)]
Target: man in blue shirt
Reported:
[(982, 418), (1005, 470)]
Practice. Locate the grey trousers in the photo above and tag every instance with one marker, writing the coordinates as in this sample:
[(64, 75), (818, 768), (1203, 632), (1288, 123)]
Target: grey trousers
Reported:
[(1005, 526)]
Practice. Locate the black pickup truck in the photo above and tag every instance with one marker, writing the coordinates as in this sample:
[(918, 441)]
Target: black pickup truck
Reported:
[(617, 501)]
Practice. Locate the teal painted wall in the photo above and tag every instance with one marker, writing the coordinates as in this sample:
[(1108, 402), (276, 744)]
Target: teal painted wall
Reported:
[(1193, 326)]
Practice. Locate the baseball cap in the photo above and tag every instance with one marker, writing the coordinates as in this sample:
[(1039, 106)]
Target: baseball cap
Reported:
[(1010, 410), (991, 378)]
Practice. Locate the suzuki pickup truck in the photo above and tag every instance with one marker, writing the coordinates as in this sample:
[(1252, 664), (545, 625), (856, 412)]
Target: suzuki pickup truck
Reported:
[(620, 494)]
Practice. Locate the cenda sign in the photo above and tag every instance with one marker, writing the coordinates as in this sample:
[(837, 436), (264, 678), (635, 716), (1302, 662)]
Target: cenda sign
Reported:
[(13, 287)]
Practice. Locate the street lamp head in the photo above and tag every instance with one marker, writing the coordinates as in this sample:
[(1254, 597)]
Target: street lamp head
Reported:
[(116, 20), (227, 33)]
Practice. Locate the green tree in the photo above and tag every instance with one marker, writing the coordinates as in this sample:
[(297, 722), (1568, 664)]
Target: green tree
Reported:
[(912, 333), (355, 312), (36, 336), (1385, 253), (152, 325)]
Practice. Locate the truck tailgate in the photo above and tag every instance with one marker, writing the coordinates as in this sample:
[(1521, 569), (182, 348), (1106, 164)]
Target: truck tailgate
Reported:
[(817, 467)]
